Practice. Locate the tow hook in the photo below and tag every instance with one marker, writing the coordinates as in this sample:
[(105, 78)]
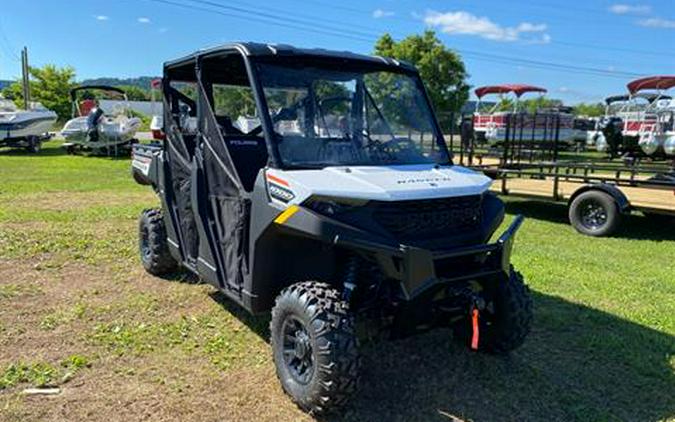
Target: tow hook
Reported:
[(477, 305)]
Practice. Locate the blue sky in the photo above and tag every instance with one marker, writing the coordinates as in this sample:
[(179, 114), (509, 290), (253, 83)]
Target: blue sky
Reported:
[(579, 50)]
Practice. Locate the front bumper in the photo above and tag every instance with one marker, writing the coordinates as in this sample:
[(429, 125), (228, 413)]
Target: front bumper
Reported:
[(419, 270)]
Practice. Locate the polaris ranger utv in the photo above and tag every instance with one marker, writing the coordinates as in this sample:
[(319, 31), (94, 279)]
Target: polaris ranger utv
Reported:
[(317, 185)]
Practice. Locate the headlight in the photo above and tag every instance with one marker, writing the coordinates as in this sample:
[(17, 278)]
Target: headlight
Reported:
[(332, 207)]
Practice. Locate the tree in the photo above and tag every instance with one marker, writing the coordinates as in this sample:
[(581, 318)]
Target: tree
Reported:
[(441, 69), (590, 110), (50, 86), (135, 93)]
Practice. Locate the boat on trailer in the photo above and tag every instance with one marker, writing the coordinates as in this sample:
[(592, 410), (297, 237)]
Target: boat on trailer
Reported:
[(653, 128), (543, 125), (99, 131), (25, 128), (622, 113)]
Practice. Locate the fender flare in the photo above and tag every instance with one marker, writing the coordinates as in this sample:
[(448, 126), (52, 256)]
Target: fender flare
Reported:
[(619, 197)]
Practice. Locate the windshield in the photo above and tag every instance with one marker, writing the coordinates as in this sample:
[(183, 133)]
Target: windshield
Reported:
[(331, 117)]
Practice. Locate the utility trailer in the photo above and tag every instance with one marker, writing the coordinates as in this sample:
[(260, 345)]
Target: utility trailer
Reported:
[(597, 189), (339, 204)]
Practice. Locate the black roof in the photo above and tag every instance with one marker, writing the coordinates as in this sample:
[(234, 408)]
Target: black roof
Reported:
[(252, 49), (649, 96)]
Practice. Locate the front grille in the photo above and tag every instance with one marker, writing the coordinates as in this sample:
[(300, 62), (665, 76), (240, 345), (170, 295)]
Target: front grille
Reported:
[(430, 217)]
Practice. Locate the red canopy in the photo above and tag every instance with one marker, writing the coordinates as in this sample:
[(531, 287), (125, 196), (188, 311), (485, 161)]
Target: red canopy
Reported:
[(651, 82), (518, 89)]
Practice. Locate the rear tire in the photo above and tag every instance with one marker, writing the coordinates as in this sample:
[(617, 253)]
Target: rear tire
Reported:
[(594, 213), (153, 244), (506, 328), (314, 346)]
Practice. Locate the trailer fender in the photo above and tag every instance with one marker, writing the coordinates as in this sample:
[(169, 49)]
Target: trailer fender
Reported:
[(620, 198)]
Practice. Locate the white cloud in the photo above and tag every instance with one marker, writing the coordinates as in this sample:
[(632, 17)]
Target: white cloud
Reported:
[(630, 9), (464, 23), (163, 30), (101, 17), (143, 20), (657, 23), (380, 13), (564, 89)]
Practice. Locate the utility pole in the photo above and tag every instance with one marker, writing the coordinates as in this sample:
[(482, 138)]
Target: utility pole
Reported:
[(25, 77)]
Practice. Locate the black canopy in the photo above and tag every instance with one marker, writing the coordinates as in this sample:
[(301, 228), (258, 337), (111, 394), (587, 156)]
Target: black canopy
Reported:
[(73, 92)]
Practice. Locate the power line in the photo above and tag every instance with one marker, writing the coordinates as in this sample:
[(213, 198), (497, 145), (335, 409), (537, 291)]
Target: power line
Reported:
[(254, 18), (308, 26), (550, 5), (7, 46)]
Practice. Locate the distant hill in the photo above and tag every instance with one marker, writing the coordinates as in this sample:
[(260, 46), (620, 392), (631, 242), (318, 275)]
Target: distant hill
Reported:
[(142, 82), (3, 84)]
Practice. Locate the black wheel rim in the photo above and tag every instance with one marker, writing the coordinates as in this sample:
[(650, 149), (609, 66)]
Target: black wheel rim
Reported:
[(593, 214), (297, 350), (145, 243)]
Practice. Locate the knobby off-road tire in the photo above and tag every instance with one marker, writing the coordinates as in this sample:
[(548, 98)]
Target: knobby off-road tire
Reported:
[(509, 325), (312, 328), (153, 244), (595, 213)]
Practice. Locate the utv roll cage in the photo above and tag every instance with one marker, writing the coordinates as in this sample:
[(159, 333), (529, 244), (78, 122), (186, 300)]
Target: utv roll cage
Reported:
[(240, 72)]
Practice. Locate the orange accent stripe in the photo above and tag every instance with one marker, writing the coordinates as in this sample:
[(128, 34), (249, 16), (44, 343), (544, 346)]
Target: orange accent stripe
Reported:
[(476, 334), (273, 178)]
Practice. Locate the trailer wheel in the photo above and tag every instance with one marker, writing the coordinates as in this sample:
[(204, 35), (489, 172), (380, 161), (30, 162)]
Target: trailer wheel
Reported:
[(594, 213), (153, 245), (314, 346), (34, 144), (506, 328)]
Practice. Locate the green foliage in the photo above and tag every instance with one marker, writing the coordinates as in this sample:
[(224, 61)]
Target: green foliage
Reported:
[(49, 85), (142, 82), (37, 374), (135, 93), (590, 109), (441, 69), (529, 105), (233, 101)]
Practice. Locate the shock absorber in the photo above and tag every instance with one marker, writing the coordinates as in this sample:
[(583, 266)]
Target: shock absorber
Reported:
[(351, 277)]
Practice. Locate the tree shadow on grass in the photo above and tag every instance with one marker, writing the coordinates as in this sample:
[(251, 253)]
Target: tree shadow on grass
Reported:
[(577, 364), (634, 226), (51, 151)]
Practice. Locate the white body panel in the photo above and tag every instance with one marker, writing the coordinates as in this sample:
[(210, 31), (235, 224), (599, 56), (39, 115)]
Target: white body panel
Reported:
[(382, 183), (15, 123)]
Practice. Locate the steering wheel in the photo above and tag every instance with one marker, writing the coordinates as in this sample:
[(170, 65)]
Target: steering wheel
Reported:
[(396, 145)]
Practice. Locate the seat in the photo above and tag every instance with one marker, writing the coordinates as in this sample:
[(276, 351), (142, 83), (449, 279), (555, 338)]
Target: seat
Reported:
[(249, 154)]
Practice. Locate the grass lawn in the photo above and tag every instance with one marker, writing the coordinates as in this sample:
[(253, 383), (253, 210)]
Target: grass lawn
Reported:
[(77, 311)]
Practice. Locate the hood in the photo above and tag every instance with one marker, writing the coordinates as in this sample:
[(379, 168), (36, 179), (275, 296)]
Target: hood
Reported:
[(384, 183)]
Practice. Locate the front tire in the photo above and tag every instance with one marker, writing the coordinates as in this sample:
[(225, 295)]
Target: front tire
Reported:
[(314, 346), (153, 244), (594, 213), (506, 328)]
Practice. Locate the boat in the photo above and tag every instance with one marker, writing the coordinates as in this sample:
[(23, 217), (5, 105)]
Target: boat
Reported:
[(623, 114), (653, 127), (541, 126), (91, 128), (25, 128)]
